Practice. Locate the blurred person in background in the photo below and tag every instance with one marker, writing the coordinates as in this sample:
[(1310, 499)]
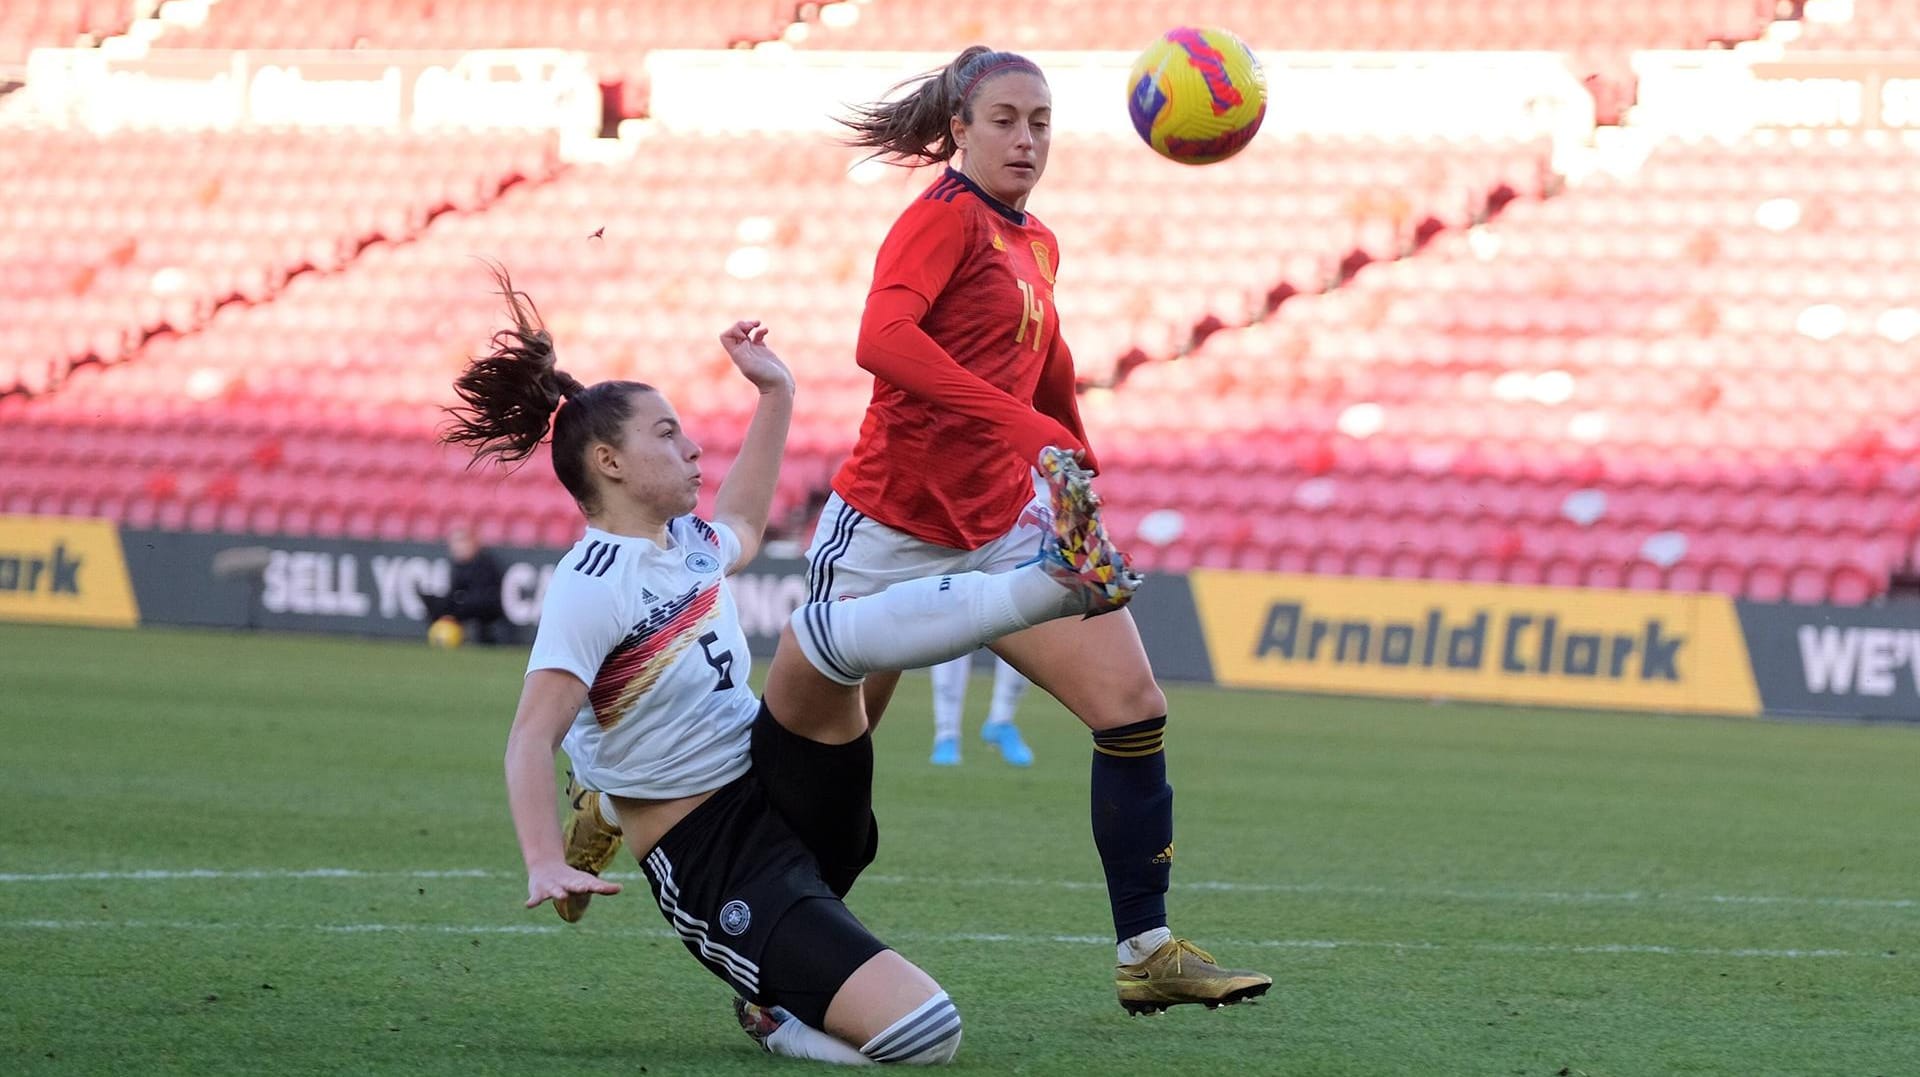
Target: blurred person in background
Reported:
[(473, 590)]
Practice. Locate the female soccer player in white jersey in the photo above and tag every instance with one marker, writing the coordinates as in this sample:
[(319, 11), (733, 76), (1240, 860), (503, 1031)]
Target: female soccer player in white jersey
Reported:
[(971, 377), (749, 817)]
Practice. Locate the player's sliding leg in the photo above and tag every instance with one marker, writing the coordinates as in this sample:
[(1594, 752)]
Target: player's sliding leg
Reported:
[(592, 843), (1008, 689), (927, 621), (949, 702)]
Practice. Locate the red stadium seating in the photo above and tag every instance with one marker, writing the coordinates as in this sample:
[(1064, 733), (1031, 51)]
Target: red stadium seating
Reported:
[(29, 24), (107, 239), (1358, 24), (1695, 375)]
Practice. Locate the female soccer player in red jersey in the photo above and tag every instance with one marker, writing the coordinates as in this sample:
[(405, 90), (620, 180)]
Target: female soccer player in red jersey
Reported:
[(751, 816), (971, 379)]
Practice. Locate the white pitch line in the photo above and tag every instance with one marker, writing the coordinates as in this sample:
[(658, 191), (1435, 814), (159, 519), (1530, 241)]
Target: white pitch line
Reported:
[(1574, 897), (992, 938), (174, 875)]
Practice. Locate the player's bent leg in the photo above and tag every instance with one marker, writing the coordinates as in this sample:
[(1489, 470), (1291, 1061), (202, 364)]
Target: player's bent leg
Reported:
[(834, 992), (824, 792), (808, 703), (896, 1012)]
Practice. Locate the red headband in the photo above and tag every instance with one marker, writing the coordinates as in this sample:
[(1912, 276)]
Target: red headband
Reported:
[(974, 83)]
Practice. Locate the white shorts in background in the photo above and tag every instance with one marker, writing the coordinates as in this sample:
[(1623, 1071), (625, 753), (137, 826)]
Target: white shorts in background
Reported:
[(853, 555)]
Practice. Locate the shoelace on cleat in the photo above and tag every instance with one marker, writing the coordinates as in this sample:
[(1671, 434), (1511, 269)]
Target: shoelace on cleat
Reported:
[(1182, 947)]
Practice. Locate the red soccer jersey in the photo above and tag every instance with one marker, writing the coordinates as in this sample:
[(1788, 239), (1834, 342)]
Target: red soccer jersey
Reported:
[(949, 440)]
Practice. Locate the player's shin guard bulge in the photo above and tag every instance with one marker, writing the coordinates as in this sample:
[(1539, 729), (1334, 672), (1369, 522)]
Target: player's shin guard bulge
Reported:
[(592, 845)]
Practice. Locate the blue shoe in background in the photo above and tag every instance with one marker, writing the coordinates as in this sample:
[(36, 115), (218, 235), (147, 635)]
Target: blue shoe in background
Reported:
[(946, 752), (1006, 737)]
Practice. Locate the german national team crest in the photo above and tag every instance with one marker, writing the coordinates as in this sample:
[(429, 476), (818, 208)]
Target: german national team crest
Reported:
[(701, 561), (1043, 259), (734, 917)]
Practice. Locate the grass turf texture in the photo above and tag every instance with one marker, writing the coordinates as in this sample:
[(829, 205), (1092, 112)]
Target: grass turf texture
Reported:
[(1438, 890)]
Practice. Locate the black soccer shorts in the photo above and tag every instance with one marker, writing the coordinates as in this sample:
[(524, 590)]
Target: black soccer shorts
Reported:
[(746, 897)]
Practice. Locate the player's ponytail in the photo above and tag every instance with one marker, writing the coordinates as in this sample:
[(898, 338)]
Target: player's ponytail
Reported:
[(916, 128), (509, 396)]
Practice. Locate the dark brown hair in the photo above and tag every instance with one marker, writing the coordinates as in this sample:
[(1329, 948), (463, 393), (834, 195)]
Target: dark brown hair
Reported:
[(509, 397), (915, 129)]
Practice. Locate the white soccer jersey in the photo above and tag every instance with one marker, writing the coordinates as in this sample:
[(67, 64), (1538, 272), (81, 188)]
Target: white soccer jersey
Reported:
[(655, 636)]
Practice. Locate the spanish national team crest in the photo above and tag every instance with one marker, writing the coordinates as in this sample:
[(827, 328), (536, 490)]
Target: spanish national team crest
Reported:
[(1043, 259), (702, 561), (734, 917)]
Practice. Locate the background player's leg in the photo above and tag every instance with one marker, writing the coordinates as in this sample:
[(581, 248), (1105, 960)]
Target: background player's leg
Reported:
[(949, 702), (1009, 687)]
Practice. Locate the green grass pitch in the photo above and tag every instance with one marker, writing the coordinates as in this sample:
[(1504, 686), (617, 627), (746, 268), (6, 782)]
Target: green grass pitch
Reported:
[(1436, 889)]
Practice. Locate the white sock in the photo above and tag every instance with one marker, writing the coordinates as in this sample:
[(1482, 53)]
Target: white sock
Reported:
[(950, 695), (1137, 948), (797, 1039), (1008, 689), (927, 621), (607, 814)]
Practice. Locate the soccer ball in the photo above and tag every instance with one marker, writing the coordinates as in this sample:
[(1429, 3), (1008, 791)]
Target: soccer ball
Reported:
[(1197, 95), (445, 634)]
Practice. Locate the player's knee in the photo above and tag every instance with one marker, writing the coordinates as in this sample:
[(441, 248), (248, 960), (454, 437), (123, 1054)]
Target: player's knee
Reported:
[(810, 631), (929, 1036), (1133, 697)]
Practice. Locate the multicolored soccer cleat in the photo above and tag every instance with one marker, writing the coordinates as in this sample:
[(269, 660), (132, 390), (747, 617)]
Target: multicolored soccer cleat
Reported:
[(1079, 553), (1180, 973), (758, 1022), (592, 845)]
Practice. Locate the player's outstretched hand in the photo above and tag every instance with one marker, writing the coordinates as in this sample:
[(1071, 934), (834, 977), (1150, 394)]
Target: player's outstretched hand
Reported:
[(746, 344), (555, 883)]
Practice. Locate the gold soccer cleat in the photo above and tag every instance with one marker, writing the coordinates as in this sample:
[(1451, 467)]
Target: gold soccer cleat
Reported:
[(591, 845), (1180, 973), (1079, 553)]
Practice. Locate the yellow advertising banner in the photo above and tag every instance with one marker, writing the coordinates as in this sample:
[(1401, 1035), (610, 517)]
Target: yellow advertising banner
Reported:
[(59, 570), (1629, 650)]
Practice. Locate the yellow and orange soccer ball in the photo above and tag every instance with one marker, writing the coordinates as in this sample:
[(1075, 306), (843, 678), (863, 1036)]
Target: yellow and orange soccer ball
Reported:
[(1197, 95)]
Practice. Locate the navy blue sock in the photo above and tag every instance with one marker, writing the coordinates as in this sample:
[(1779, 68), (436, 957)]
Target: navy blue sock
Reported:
[(1133, 823)]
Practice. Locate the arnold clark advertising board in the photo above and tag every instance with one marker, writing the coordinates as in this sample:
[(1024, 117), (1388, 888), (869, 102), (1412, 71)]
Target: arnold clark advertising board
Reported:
[(1533, 645)]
